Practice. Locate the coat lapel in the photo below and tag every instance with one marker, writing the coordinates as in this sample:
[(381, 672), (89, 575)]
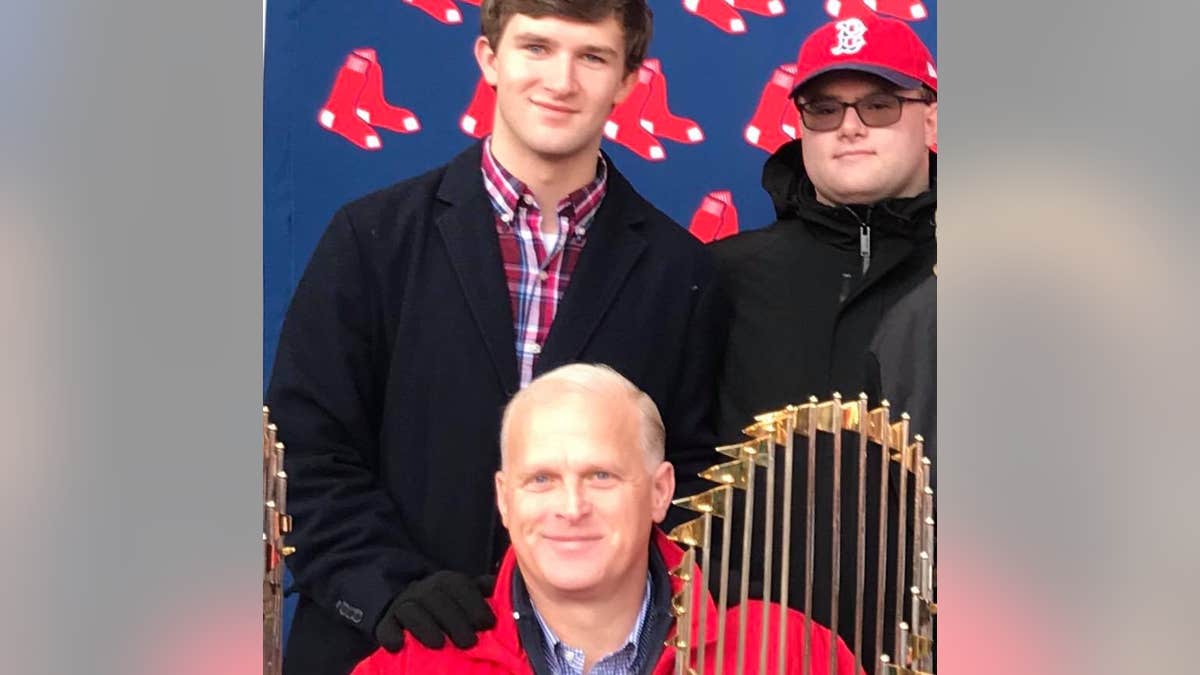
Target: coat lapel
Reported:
[(467, 229), (613, 247)]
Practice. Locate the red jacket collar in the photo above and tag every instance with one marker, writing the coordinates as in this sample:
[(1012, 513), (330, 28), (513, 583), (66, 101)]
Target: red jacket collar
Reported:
[(503, 644)]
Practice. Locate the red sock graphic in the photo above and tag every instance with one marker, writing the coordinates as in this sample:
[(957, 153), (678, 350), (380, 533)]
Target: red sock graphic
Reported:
[(374, 109), (624, 124), (472, 2), (477, 120), (657, 118), (770, 126), (909, 10), (729, 221), (718, 13), (716, 218), (339, 114), (761, 7), (790, 124), (442, 10)]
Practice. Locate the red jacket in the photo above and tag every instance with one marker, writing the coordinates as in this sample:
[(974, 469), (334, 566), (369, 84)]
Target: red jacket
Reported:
[(499, 651)]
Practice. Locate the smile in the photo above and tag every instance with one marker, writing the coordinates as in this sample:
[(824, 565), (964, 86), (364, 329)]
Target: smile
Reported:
[(571, 539), (553, 108)]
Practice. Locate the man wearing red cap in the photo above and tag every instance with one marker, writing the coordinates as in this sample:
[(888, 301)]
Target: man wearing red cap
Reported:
[(855, 200)]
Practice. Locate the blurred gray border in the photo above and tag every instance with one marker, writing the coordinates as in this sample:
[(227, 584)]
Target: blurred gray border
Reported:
[(130, 362), (131, 358), (1068, 318)]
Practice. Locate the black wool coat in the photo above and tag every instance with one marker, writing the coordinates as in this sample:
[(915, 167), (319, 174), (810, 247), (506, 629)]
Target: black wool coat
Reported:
[(397, 356)]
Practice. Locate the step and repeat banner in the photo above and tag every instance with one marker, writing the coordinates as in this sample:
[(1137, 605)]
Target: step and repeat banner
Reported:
[(359, 95)]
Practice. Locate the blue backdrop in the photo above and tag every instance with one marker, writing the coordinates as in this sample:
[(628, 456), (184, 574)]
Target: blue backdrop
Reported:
[(720, 65)]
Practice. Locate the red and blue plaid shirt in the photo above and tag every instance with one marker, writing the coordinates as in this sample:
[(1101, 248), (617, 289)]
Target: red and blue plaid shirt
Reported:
[(537, 274)]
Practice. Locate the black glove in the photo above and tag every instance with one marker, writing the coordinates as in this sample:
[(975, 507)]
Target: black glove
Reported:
[(441, 604)]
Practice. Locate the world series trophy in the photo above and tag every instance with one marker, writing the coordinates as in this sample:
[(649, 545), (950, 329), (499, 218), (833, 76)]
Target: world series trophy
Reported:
[(276, 523), (881, 459)]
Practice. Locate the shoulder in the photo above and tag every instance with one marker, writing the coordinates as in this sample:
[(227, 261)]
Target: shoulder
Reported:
[(757, 254), (395, 202), (412, 201), (746, 245), (669, 243)]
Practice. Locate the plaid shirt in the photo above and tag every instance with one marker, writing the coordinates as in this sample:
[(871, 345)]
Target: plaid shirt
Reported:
[(537, 274), (564, 660)]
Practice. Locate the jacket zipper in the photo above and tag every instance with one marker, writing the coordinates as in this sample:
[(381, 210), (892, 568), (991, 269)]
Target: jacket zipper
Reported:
[(864, 247), (864, 237)]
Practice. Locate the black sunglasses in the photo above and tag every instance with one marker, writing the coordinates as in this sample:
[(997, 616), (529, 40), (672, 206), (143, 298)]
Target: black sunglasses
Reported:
[(875, 110)]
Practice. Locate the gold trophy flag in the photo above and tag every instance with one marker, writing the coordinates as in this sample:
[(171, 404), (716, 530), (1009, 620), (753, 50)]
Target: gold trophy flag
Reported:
[(734, 473), (758, 449), (710, 501), (690, 533)]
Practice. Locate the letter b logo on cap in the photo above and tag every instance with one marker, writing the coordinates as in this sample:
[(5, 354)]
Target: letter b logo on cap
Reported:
[(849, 37)]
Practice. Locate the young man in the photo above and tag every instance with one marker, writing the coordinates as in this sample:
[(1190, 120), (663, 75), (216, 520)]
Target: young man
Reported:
[(585, 586), (855, 200), (427, 305)]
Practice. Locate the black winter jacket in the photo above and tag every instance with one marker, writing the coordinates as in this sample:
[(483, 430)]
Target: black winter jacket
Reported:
[(803, 311)]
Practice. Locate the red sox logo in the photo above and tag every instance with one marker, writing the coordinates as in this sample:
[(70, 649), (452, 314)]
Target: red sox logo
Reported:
[(716, 218), (356, 103), (724, 14)]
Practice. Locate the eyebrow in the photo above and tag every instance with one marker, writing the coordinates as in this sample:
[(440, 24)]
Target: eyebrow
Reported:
[(601, 49)]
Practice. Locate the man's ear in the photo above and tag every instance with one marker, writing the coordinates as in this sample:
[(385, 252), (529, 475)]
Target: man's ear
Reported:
[(663, 485), (501, 498), (931, 125), (627, 84), (485, 56)]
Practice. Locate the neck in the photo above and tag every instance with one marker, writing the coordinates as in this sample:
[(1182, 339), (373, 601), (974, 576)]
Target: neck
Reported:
[(597, 623), (549, 177)]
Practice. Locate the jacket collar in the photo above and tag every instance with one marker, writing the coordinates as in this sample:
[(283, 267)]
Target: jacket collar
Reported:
[(794, 196), (503, 643)]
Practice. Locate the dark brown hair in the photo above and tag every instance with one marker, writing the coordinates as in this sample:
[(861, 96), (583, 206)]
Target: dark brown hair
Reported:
[(635, 17)]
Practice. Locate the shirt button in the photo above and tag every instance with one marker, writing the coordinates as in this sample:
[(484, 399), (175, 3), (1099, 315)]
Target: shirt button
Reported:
[(535, 348), (506, 217), (543, 276), (528, 199)]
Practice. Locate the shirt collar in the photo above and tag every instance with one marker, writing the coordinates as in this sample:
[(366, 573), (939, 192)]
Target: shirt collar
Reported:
[(506, 191), (631, 641)]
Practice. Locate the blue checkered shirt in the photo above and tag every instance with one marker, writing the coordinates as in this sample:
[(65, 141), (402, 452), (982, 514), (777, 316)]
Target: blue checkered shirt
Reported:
[(565, 660)]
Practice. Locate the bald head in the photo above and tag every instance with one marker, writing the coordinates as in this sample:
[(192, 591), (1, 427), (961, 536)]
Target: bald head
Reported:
[(591, 381)]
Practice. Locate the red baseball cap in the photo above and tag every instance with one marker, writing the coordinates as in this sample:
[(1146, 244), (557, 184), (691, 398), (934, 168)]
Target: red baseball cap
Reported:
[(868, 43)]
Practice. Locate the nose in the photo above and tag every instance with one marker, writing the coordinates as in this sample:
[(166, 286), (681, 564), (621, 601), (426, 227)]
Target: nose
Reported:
[(575, 504), (852, 124), (559, 77)]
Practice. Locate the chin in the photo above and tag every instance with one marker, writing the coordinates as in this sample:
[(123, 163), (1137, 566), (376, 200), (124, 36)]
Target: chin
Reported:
[(567, 580), (557, 142), (858, 194)]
